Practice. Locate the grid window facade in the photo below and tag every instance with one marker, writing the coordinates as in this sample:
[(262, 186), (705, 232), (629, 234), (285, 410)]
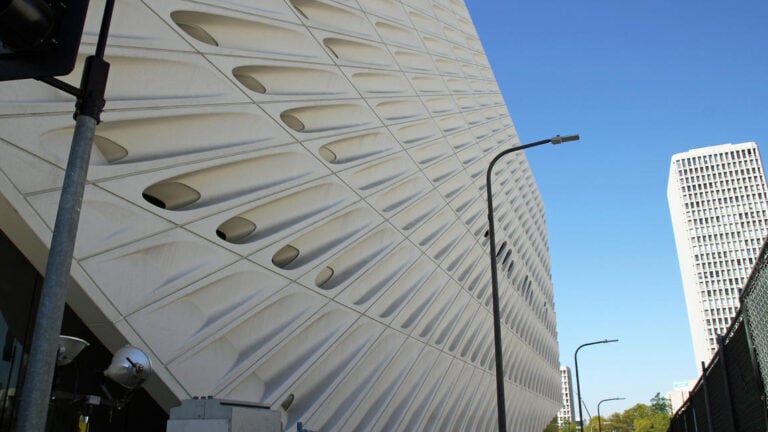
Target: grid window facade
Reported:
[(718, 203), (565, 415)]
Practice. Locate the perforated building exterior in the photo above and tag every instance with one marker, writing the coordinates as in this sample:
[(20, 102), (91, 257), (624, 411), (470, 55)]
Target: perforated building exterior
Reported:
[(286, 202)]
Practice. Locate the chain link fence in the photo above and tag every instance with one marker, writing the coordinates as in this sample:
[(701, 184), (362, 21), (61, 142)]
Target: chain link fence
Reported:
[(754, 304), (730, 395)]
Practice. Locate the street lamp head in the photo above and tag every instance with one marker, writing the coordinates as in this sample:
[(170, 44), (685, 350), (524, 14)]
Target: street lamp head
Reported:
[(599, 417), (576, 361), (611, 399), (497, 342), (561, 139)]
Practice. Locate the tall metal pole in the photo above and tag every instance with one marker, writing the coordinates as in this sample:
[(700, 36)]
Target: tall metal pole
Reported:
[(578, 385), (727, 390), (706, 396), (38, 379), (501, 404), (599, 422)]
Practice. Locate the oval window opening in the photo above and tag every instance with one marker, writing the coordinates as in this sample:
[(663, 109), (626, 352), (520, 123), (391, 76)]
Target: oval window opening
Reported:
[(292, 122), (324, 276), (327, 154), (236, 229), (249, 81), (170, 195), (111, 150), (501, 249), (198, 33), (285, 256)]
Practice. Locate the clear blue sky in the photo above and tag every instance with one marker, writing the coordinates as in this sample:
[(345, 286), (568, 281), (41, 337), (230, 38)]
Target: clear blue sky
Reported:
[(640, 81)]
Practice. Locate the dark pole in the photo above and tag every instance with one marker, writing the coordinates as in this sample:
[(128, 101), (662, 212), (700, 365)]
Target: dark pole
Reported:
[(727, 392), (706, 396), (599, 423), (36, 393), (586, 408), (578, 386), (501, 405)]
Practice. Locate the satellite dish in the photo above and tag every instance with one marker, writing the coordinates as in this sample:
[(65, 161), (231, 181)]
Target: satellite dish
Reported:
[(69, 348), (130, 367)]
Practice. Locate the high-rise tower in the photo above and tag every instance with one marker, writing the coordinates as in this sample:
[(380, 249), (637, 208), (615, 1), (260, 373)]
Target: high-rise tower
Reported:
[(565, 415), (718, 203)]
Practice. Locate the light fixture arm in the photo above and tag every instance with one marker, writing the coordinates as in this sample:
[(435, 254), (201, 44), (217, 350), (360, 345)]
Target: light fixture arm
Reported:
[(599, 420), (578, 386), (501, 404)]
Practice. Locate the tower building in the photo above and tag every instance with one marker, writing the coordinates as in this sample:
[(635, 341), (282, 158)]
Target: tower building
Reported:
[(719, 207), (566, 413)]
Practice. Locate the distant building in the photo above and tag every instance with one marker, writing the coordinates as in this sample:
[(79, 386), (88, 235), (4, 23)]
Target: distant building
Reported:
[(718, 202), (565, 415), (679, 393)]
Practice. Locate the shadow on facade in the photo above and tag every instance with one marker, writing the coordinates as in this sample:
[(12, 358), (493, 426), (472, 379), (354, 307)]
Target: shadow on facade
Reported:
[(20, 285)]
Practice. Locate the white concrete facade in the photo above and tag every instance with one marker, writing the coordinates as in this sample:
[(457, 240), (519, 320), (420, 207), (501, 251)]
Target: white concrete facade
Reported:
[(566, 413), (286, 197), (718, 201)]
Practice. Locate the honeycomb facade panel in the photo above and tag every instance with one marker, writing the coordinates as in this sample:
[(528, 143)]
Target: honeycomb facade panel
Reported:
[(286, 202)]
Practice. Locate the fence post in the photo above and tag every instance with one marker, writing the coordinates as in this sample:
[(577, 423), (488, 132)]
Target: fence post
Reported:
[(721, 354), (706, 396), (693, 414)]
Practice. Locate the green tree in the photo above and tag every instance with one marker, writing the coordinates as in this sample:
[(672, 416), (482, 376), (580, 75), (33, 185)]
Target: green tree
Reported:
[(661, 405), (552, 426), (656, 422), (639, 418), (592, 424)]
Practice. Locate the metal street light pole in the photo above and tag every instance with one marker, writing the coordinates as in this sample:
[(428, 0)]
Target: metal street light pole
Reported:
[(557, 139), (578, 386), (586, 408), (599, 423), (36, 395)]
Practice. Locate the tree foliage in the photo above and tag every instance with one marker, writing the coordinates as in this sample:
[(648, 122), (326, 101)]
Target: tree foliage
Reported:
[(639, 418), (661, 405), (552, 426), (570, 427)]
